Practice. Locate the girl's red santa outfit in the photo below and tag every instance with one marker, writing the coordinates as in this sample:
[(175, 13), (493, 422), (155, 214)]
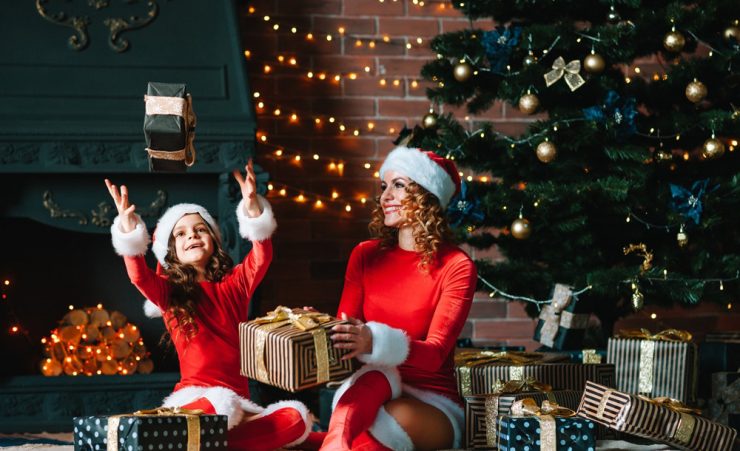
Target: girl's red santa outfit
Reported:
[(209, 361)]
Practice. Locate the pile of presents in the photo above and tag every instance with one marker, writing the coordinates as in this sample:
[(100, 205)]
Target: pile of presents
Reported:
[(644, 386)]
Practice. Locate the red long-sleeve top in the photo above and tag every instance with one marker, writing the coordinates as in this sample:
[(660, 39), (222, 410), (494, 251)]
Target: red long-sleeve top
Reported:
[(388, 286), (211, 357)]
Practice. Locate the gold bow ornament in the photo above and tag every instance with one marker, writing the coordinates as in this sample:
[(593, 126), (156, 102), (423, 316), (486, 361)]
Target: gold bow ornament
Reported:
[(546, 413), (191, 417), (501, 388), (466, 360), (304, 320), (570, 71)]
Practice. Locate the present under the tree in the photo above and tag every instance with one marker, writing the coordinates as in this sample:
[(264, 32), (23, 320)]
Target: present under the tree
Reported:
[(586, 355), (661, 419), (157, 429), (562, 323), (547, 428), (725, 399), (169, 127), (478, 371), (482, 411), (661, 364), (291, 349), (716, 357), (723, 337)]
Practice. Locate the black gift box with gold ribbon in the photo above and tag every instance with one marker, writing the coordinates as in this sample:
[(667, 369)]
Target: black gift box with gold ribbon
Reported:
[(169, 127), (160, 429), (291, 349), (661, 419)]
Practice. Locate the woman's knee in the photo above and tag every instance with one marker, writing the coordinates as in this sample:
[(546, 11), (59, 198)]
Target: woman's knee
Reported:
[(428, 427)]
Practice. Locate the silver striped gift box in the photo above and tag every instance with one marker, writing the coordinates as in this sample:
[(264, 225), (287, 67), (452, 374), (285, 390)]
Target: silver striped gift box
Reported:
[(290, 358), (642, 417), (654, 368)]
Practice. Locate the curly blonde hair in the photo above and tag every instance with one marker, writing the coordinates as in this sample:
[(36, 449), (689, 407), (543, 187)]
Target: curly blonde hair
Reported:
[(183, 279), (427, 218)]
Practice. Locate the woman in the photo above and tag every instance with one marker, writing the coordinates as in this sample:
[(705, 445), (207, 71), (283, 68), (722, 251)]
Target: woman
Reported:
[(407, 295)]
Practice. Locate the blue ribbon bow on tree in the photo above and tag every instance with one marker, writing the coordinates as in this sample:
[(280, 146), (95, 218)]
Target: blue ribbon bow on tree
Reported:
[(615, 113), (498, 44), (463, 209), (688, 202)]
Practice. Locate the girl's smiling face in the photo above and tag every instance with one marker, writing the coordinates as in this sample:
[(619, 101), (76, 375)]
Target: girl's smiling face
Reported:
[(193, 241)]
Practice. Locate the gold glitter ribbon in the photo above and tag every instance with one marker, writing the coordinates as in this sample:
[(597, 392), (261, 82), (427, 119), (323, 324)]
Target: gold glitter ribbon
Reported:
[(647, 351), (191, 417), (466, 360), (686, 422), (546, 414), (672, 335), (590, 356), (570, 71), (176, 106), (304, 320)]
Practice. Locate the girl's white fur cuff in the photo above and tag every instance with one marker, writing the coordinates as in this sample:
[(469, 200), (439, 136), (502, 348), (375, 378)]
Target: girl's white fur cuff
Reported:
[(390, 345), (256, 229), (133, 243)]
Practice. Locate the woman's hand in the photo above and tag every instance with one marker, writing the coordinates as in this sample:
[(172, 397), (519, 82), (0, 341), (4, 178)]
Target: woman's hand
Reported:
[(248, 186), (125, 210), (355, 336)]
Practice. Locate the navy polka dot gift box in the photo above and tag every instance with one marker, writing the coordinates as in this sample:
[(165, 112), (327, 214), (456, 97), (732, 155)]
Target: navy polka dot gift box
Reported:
[(175, 432), (529, 434)]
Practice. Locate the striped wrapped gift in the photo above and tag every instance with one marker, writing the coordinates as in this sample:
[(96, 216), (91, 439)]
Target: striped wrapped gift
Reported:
[(662, 364), (290, 349), (654, 420), (482, 412), (479, 379)]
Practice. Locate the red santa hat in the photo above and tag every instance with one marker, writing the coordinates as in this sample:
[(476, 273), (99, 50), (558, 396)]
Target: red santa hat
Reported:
[(436, 174), (167, 222)]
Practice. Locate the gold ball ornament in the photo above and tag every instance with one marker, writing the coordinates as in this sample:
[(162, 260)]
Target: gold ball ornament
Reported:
[(638, 300), (528, 103), (732, 34), (546, 151), (520, 229), (712, 148), (594, 63), (674, 41), (696, 91), (462, 72), (429, 120)]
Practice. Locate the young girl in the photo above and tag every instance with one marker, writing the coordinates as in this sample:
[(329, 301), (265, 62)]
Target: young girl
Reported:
[(407, 295), (203, 298)]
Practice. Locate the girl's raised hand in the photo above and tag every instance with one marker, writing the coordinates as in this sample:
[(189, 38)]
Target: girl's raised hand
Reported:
[(125, 209), (248, 186)]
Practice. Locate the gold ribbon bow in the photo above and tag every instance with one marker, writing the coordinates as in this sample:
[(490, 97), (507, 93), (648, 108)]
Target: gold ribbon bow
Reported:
[(546, 414), (191, 417), (570, 71), (176, 106), (686, 422), (467, 359), (528, 384), (672, 335), (304, 320)]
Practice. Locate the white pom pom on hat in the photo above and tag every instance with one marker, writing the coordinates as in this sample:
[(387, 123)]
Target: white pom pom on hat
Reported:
[(436, 174), (167, 222)]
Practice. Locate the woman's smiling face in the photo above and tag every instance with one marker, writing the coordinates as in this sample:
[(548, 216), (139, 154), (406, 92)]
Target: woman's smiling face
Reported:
[(393, 188)]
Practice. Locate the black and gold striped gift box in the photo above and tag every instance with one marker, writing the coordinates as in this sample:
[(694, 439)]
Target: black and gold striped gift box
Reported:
[(646, 418), (287, 357), (480, 427), (654, 368)]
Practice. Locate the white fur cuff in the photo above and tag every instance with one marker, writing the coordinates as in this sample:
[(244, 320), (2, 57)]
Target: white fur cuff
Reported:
[(259, 228), (390, 345), (133, 243), (387, 431), (151, 310), (224, 401)]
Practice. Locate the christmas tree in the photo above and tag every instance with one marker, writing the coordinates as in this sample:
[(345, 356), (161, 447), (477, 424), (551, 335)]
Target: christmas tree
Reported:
[(625, 183)]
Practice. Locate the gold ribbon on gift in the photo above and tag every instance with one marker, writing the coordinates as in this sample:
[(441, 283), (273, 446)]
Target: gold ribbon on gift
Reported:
[(176, 106), (547, 414), (570, 71), (466, 360), (191, 417), (590, 356), (647, 351), (499, 388), (686, 422), (304, 320)]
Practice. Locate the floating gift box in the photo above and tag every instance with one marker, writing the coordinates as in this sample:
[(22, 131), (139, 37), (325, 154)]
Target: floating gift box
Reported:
[(169, 127), (662, 364), (660, 419), (157, 429), (290, 349)]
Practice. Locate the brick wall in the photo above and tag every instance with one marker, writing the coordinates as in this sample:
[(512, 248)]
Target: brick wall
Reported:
[(312, 244)]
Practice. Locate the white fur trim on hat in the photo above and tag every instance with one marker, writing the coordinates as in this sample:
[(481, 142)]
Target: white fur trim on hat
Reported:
[(151, 310), (259, 228), (390, 373), (416, 165), (387, 431), (225, 401), (130, 244), (167, 222), (390, 345), (450, 408), (302, 410)]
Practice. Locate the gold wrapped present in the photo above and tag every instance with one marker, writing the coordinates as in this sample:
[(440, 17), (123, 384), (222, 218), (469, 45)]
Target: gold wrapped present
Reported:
[(291, 349)]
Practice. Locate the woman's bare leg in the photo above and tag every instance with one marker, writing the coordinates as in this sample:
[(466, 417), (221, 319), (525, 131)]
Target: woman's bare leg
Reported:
[(428, 427)]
